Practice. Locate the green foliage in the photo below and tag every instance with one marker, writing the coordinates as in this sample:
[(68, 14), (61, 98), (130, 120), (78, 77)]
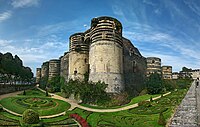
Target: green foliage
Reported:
[(47, 93), (55, 84), (151, 99), (30, 116), (144, 103), (1, 108), (43, 82), (24, 93), (88, 92), (169, 84), (154, 84), (161, 120), (12, 69)]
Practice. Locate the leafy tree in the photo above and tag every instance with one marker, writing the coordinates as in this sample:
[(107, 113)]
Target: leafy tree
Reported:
[(154, 84)]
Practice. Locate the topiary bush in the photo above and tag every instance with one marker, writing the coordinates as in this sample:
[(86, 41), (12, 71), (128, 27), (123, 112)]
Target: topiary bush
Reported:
[(1, 108), (30, 117), (161, 120)]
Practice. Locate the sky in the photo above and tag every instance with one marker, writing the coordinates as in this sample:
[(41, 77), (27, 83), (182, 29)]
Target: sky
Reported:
[(39, 30)]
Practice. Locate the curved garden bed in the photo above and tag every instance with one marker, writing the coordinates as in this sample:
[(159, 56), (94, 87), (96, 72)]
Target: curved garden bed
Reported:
[(43, 105)]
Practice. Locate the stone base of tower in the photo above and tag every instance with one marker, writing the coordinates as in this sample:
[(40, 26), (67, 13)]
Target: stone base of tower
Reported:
[(79, 77), (114, 80)]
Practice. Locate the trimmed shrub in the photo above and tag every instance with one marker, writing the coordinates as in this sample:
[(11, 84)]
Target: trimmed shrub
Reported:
[(151, 99), (144, 103), (30, 117), (24, 93), (1, 108), (161, 120)]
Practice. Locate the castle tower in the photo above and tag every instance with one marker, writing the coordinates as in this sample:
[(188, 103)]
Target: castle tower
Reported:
[(106, 53), (153, 65), (38, 75), (78, 56), (45, 70), (167, 72), (54, 68)]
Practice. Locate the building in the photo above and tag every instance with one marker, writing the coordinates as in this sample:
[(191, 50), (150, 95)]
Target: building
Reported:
[(175, 75), (45, 70), (54, 68), (105, 55), (38, 75), (153, 65), (64, 65), (167, 72), (195, 73)]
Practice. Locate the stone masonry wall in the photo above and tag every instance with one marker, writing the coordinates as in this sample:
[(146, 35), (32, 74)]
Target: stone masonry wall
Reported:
[(7, 88), (186, 113)]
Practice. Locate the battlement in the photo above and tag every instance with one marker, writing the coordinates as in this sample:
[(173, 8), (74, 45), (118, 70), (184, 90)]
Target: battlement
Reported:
[(77, 43)]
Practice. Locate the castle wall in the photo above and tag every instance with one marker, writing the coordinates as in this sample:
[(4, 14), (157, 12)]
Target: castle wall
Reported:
[(106, 65), (134, 68), (7, 88), (78, 65), (45, 70), (64, 66), (105, 55), (38, 75), (78, 57), (54, 68)]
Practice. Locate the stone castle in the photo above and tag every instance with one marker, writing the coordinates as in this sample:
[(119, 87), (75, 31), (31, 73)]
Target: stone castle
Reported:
[(102, 53)]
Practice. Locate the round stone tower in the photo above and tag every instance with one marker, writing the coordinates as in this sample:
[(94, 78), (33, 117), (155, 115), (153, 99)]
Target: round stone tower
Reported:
[(153, 65), (106, 53), (54, 68), (78, 56), (45, 70)]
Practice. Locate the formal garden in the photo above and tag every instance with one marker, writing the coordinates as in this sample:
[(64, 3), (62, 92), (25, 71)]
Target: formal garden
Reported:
[(31, 105), (148, 113)]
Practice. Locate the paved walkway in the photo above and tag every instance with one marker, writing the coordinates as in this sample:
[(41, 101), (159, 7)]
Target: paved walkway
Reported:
[(186, 113)]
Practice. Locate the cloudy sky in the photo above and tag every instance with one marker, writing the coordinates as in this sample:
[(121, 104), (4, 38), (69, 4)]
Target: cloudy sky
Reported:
[(39, 30)]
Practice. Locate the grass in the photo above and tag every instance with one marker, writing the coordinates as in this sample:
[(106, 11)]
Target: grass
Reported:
[(133, 101), (33, 92), (11, 104), (142, 116)]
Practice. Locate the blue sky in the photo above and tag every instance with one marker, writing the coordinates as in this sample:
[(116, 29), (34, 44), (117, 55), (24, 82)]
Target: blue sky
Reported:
[(39, 30)]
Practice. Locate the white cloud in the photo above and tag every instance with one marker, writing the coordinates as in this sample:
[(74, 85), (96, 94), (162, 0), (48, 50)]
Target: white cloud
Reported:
[(24, 3), (5, 15)]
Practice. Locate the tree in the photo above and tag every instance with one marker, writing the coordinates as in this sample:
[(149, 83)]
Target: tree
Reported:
[(154, 84)]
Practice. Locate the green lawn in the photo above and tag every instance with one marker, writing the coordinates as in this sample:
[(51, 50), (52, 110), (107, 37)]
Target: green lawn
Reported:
[(133, 101), (142, 116), (12, 104)]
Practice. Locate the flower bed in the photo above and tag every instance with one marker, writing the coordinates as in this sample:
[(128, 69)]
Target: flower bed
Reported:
[(81, 120)]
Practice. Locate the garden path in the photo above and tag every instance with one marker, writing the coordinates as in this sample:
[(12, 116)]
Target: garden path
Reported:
[(74, 104)]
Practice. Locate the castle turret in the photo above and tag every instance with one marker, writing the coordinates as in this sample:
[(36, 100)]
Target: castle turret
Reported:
[(45, 70), (38, 75), (106, 53), (153, 65), (167, 72), (78, 56), (54, 68)]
